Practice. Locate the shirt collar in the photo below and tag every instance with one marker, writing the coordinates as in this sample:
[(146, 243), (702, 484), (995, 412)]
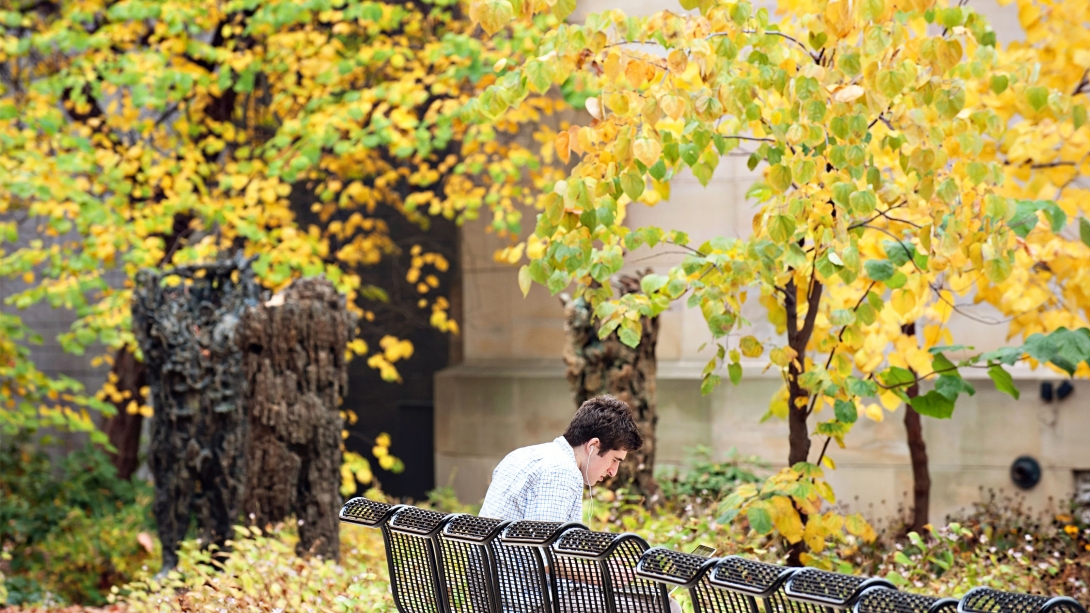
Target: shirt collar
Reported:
[(562, 442)]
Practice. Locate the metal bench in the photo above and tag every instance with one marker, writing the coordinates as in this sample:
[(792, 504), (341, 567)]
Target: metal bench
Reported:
[(690, 572), (523, 554), (747, 580), (442, 563), (833, 591), (595, 573), (880, 599), (986, 600)]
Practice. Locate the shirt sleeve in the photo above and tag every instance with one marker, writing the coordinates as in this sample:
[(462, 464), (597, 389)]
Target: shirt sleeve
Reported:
[(553, 496)]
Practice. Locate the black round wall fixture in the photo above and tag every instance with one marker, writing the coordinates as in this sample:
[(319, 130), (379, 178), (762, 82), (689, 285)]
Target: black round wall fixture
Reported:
[(1025, 472)]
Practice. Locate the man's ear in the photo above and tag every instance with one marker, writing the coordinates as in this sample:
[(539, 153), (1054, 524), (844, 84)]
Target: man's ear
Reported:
[(597, 444)]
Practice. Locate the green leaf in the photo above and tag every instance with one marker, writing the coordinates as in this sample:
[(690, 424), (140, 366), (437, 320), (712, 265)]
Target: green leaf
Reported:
[(940, 363), (997, 270), (1003, 380), (779, 178), (862, 388), (708, 384), (759, 520), (897, 376), (899, 252), (650, 284), (782, 228), (734, 370), (891, 82), (633, 184), (690, 153), (557, 281), (999, 83), (952, 385), (933, 404), (1037, 96), (1084, 231), (845, 411), (879, 270), (726, 518), (896, 578), (539, 75), (630, 332), (863, 202)]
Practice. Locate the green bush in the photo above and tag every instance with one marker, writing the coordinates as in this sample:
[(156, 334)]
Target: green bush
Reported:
[(71, 528), (707, 480)]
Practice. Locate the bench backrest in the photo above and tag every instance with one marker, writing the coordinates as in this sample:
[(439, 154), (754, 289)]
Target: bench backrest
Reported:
[(692, 572), (413, 556), (596, 574), (468, 563), (833, 591), (880, 599), (749, 580), (986, 600), (523, 554)]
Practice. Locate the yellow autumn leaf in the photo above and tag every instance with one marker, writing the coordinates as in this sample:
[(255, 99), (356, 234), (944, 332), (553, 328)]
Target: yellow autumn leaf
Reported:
[(647, 150), (786, 519), (903, 301), (815, 534)]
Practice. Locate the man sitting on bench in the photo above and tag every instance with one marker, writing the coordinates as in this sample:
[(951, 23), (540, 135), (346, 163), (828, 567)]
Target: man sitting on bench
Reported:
[(545, 482)]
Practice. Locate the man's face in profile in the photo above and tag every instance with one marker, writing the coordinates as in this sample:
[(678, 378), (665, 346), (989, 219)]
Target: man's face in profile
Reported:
[(602, 466)]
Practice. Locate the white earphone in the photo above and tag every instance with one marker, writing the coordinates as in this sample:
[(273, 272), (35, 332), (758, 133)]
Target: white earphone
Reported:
[(586, 479)]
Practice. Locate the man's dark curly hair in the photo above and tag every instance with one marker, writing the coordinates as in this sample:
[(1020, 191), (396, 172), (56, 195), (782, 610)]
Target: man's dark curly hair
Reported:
[(607, 418)]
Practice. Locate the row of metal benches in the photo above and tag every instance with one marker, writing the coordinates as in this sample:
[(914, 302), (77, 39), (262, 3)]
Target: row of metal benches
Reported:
[(461, 563)]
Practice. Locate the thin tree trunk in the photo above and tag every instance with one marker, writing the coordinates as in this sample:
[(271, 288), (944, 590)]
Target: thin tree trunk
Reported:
[(798, 405), (917, 449), (608, 366), (296, 379), (123, 429)]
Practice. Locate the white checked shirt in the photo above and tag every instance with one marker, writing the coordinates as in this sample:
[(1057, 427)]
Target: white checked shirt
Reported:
[(540, 483)]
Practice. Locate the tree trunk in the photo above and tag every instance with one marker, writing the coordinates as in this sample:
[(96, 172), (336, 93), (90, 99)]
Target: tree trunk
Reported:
[(917, 449), (198, 430), (123, 429), (798, 405), (296, 378), (608, 366)]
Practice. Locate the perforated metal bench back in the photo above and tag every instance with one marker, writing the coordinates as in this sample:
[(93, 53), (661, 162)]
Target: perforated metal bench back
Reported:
[(747, 580), (687, 570), (834, 590), (589, 579), (885, 600), (412, 553), (469, 570), (522, 552), (985, 600)]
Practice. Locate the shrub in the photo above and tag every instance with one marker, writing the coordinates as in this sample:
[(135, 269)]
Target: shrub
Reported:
[(707, 480), (263, 573), (71, 529)]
